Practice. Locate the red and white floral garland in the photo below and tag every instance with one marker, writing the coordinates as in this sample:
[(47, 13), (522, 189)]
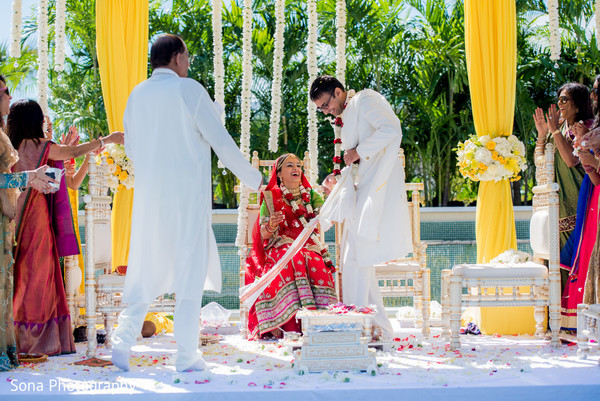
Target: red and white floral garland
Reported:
[(338, 123), (305, 217)]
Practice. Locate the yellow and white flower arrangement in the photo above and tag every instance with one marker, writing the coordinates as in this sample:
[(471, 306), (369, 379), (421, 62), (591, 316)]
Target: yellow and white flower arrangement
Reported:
[(120, 168), (491, 159)]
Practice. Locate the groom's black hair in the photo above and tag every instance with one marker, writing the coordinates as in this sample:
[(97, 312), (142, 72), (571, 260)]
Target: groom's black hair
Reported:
[(324, 84), (164, 48)]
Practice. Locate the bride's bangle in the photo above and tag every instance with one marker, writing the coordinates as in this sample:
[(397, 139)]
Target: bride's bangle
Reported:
[(269, 229)]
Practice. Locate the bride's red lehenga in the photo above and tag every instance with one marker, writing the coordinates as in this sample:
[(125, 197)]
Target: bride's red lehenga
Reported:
[(306, 281)]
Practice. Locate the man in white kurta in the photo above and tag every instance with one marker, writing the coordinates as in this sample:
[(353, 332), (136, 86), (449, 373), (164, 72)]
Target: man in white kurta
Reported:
[(171, 124), (378, 228)]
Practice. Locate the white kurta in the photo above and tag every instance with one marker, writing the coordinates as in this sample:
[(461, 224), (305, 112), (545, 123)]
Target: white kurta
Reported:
[(171, 124), (380, 222)]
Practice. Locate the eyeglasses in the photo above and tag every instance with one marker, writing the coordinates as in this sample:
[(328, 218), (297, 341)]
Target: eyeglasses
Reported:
[(325, 105), (5, 89), (563, 99)]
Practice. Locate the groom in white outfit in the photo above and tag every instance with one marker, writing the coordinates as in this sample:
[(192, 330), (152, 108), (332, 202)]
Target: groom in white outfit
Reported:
[(378, 229), (171, 124)]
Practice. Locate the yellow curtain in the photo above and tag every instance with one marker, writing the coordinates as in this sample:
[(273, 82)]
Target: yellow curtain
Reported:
[(74, 200), (122, 48), (491, 52)]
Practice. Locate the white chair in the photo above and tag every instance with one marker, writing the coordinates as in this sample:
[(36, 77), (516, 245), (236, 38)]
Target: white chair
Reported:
[(103, 288), (485, 284), (588, 328), (410, 276)]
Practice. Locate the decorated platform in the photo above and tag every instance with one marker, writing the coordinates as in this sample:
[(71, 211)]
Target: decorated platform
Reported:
[(486, 367)]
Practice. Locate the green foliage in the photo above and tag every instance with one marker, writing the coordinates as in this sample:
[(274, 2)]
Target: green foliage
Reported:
[(412, 51)]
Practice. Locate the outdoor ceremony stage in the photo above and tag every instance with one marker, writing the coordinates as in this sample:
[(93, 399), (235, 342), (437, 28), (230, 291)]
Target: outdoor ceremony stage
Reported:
[(487, 368)]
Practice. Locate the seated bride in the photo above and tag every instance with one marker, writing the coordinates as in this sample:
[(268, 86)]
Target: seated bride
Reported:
[(286, 206)]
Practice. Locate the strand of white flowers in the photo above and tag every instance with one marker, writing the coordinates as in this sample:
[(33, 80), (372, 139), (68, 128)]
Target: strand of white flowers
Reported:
[(246, 78), (15, 33), (246, 99), (340, 41), (219, 68), (598, 24), (277, 75), (312, 74), (59, 28), (554, 30), (42, 45), (340, 55)]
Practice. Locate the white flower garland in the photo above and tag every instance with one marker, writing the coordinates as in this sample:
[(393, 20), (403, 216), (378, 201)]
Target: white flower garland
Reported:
[(554, 30), (246, 79), (59, 27), (340, 41), (277, 75), (598, 24), (43, 67), (15, 33), (240, 238), (340, 72), (219, 68), (311, 50), (246, 102)]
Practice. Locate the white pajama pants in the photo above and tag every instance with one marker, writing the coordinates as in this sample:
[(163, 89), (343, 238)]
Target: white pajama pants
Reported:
[(186, 329), (360, 286)]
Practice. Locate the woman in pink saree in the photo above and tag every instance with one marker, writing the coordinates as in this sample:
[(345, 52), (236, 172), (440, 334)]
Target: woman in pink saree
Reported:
[(44, 232)]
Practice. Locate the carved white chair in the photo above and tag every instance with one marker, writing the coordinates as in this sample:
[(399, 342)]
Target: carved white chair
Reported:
[(103, 288), (532, 283), (410, 276), (588, 328), (253, 211)]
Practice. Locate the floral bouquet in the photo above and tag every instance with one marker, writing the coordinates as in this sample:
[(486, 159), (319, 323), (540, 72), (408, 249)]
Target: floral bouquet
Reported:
[(119, 166), (491, 159), (511, 256)]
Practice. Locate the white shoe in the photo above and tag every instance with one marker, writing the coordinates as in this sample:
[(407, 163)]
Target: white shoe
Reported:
[(120, 359), (198, 364)]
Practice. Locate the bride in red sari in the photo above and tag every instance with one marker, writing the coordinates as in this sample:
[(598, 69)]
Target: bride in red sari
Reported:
[(286, 205)]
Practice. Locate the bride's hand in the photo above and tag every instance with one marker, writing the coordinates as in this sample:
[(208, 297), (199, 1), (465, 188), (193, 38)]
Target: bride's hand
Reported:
[(276, 219)]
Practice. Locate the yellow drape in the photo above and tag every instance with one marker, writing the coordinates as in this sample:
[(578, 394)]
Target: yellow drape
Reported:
[(122, 48), (74, 200), (491, 52)]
